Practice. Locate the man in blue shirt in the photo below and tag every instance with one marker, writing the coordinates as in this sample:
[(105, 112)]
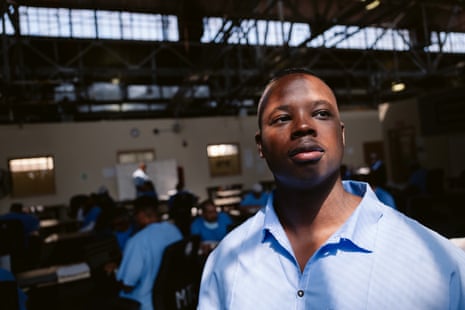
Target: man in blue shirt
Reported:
[(315, 245), (143, 252), (211, 225)]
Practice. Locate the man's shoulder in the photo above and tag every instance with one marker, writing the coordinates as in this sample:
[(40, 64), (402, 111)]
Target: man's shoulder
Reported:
[(165, 226), (197, 220), (415, 237), (163, 231), (223, 216), (248, 233)]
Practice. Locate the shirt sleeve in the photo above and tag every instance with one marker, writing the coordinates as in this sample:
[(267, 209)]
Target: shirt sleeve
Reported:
[(457, 290), (210, 295), (226, 219), (132, 264)]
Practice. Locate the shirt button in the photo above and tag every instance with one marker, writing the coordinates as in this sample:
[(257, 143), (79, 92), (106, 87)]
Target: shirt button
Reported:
[(300, 293)]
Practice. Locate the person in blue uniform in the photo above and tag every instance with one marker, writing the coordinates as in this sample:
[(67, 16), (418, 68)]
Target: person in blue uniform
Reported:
[(211, 225), (143, 252), (321, 243)]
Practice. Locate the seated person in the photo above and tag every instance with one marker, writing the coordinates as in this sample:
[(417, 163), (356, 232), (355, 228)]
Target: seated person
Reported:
[(253, 201), (148, 189), (182, 191), (123, 227), (89, 214), (180, 208), (143, 252), (30, 222), (211, 225)]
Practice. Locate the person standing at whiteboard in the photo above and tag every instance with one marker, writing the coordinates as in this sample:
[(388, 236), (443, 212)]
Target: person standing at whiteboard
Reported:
[(142, 182)]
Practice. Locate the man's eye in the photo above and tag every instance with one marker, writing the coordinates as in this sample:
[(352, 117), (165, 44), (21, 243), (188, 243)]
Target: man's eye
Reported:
[(280, 119), (322, 114)]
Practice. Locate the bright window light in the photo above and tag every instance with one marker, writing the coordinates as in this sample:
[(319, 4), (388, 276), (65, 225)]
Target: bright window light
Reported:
[(104, 24), (31, 164), (218, 150)]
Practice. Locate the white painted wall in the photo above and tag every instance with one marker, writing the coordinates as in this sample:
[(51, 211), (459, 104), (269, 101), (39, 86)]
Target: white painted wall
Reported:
[(85, 153)]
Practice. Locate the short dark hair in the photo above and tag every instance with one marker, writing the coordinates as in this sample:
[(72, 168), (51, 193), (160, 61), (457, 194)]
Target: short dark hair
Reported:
[(205, 203), (287, 71), (146, 204), (16, 207)]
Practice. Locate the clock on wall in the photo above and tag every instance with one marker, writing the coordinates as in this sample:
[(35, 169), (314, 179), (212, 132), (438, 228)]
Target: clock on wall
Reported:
[(135, 132)]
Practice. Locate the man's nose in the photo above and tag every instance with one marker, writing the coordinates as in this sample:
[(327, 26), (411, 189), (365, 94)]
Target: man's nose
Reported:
[(303, 125)]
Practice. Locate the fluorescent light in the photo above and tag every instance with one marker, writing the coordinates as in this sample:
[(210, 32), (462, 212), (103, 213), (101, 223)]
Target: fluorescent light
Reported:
[(397, 86), (372, 5)]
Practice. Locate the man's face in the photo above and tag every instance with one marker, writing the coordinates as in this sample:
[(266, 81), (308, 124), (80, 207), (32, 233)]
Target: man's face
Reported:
[(210, 214), (141, 219), (301, 137)]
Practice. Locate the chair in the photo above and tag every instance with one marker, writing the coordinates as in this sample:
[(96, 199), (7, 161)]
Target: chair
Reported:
[(12, 243), (178, 280), (102, 250), (67, 249), (9, 295)]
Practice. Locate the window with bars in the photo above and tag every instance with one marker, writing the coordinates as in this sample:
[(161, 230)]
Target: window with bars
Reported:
[(31, 176)]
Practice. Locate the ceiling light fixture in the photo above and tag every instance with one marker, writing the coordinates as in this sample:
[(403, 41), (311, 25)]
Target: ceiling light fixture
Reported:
[(372, 5), (397, 86)]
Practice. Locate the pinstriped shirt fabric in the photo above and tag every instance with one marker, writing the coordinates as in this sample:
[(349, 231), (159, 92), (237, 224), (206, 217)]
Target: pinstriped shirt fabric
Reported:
[(379, 259)]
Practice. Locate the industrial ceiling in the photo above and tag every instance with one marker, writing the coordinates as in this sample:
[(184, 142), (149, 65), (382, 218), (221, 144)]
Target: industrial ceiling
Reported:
[(32, 67)]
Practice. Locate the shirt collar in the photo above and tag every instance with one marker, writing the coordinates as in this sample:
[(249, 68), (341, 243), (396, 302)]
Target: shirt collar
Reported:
[(359, 230)]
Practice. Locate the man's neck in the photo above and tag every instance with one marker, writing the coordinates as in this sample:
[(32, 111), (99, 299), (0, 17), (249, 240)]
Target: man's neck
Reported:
[(309, 217)]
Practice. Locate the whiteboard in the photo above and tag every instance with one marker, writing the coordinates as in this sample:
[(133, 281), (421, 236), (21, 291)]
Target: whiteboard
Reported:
[(163, 173)]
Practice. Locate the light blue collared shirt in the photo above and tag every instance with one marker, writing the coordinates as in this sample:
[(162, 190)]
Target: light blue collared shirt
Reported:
[(379, 259), (142, 258)]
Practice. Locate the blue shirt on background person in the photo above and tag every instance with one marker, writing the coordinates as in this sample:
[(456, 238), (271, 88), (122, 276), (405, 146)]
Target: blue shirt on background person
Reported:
[(257, 197), (253, 201), (143, 252), (90, 218), (379, 259), (211, 231), (142, 259), (211, 225)]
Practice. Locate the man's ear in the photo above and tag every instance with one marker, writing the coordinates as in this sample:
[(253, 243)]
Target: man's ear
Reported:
[(343, 134), (258, 141)]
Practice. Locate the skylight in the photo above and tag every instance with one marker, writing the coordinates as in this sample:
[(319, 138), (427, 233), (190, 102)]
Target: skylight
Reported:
[(117, 25)]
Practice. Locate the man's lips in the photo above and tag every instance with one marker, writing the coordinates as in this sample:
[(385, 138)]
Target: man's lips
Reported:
[(306, 153)]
